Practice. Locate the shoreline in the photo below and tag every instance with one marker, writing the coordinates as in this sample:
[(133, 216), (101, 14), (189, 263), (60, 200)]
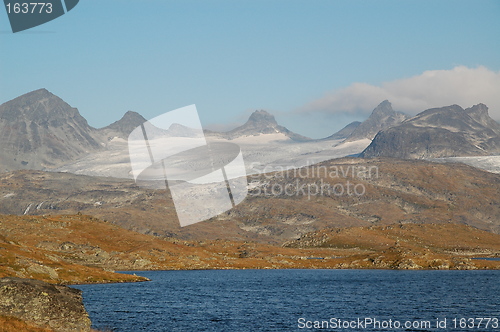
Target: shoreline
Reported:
[(146, 279)]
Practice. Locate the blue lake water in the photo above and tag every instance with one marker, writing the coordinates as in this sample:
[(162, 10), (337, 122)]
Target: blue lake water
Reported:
[(294, 300)]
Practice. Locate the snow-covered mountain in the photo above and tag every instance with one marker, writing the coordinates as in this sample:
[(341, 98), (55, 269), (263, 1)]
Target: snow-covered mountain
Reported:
[(40, 131)]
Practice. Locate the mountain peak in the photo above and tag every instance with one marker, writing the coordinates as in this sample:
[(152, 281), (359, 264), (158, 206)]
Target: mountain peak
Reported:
[(123, 127), (40, 92), (385, 103), (262, 117), (382, 117), (262, 122), (132, 116), (32, 97), (384, 108), (480, 114), (39, 129), (478, 109), (40, 107)]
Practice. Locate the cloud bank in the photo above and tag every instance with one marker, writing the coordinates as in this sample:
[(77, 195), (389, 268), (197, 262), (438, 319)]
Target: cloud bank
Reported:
[(434, 88)]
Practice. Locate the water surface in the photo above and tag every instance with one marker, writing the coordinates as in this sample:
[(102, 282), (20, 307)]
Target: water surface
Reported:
[(276, 300)]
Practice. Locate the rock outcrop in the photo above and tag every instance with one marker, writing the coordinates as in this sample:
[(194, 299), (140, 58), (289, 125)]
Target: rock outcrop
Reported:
[(54, 306)]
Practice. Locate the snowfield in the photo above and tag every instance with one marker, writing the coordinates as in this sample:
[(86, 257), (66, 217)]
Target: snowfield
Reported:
[(487, 163), (261, 153)]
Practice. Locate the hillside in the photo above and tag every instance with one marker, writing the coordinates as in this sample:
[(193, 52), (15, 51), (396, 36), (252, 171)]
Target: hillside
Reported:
[(397, 191), (345, 132), (82, 249)]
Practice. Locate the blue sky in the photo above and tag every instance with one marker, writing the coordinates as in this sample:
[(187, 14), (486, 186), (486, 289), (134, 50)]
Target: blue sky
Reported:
[(316, 65)]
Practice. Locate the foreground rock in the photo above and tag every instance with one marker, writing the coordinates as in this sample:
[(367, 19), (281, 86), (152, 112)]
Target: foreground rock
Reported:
[(57, 307)]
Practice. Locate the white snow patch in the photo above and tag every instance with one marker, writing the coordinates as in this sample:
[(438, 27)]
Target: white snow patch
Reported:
[(260, 139), (487, 163), (28, 209)]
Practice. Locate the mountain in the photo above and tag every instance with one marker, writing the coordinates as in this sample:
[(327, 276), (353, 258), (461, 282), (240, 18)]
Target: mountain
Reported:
[(346, 131), (39, 130), (382, 117), (448, 131), (262, 122), (123, 127), (480, 114)]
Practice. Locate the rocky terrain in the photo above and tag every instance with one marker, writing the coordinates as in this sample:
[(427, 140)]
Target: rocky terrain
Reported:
[(56, 307), (443, 246), (81, 249), (440, 132)]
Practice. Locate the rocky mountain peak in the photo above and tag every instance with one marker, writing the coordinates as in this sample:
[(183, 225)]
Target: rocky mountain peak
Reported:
[(262, 118), (260, 122), (123, 127), (39, 129), (479, 108), (384, 107), (382, 117), (131, 115), (40, 106), (480, 114)]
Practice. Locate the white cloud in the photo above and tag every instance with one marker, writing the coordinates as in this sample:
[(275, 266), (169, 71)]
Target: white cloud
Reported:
[(434, 88)]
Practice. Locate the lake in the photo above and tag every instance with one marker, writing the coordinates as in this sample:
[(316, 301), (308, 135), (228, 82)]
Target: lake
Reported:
[(298, 300)]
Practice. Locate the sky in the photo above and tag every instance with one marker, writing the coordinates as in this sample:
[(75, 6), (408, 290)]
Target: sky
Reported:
[(315, 64)]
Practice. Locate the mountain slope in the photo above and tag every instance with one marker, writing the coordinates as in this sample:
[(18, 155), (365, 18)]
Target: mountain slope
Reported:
[(346, 131), (39, 130), (448, 131), (382, 117)]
